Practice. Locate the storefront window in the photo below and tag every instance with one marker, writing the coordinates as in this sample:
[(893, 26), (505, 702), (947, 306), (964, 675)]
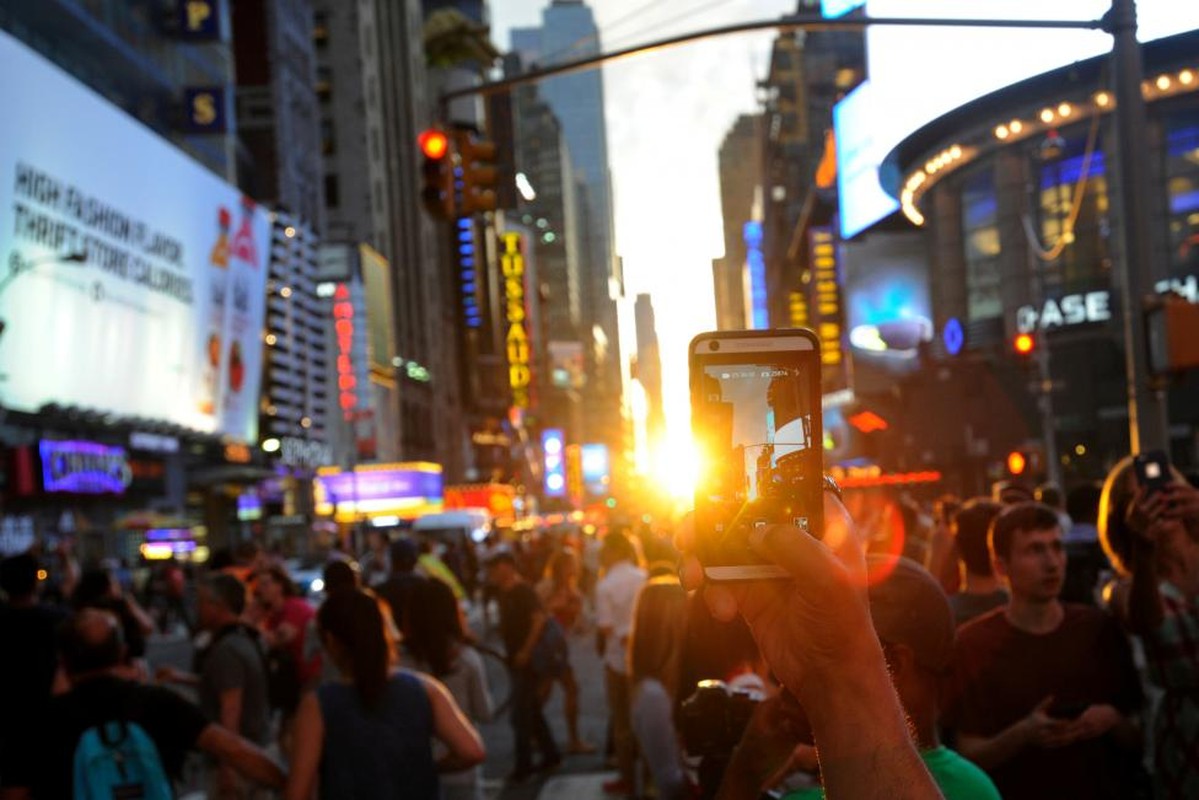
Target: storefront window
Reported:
[(1085, 263), (980, 231), (1182, 188)]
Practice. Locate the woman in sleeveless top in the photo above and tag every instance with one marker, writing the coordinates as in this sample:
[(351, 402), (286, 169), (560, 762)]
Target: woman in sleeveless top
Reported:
[(369, 735), (559, 591)]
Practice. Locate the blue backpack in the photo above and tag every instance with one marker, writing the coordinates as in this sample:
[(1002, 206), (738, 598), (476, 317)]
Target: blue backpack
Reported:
[(118, 761)]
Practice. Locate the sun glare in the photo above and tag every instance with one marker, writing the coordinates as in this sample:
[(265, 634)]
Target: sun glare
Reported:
[(675, 468)]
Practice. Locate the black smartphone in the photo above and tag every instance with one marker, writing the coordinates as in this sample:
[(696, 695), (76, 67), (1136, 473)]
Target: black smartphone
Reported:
[(1153, 471), (756, 418)]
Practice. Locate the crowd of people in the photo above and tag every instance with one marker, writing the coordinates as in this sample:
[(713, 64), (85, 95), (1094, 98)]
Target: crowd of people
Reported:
[(1024, 645)]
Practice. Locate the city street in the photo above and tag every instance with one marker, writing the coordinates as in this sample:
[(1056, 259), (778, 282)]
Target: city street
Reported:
[(300, 297)]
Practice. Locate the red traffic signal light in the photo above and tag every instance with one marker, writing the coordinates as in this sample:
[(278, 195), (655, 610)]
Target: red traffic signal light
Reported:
[(437, 192), (1016, 462), (434, 144), (1024, 344)]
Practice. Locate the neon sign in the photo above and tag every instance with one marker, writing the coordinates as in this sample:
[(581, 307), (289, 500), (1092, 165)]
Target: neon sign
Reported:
[(553, 448), (468, 273), (828, 295), (84, 468), (343, 325), (520, 374), (759, 314)]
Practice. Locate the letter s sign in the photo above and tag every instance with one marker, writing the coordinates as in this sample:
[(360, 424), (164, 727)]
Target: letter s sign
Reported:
[(205, 108)]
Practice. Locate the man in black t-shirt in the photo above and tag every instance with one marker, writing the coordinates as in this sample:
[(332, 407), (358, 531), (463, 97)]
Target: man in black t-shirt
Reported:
[(29, 626), (403, 582), (521, 622), (41, 765)]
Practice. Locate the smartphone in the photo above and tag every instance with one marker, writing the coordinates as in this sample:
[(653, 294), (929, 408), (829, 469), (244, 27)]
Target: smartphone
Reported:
[(755, 416), (1153, 471)]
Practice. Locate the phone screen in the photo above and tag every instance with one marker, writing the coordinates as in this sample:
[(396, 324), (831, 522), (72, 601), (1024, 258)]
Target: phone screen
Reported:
[(756, 417), (1153, 471)]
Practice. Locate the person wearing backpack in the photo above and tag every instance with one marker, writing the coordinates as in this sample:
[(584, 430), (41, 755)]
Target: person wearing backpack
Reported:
[(110, 736), (231, 674)]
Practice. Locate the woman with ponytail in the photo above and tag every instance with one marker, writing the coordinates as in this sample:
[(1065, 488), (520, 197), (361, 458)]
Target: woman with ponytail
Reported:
[(369, 735)]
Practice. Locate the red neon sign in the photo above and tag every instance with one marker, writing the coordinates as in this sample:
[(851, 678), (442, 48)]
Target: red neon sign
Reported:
[(343, 325), (868, 422)]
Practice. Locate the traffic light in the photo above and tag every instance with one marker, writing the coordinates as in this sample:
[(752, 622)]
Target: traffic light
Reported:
[(474, 174), (1024, 344), (437, 193), (1017, 462)]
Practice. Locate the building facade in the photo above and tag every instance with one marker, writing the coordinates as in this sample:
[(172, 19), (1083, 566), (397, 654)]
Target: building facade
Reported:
[(173, 73), (277, 109), (740, 163), (373, 86), (1018, 197)]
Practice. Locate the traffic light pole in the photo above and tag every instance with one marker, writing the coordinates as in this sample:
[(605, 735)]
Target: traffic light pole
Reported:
[(1147, 428), (1136, 270)]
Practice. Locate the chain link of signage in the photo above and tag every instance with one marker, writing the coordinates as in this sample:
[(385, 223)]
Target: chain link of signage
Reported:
[(520, 373)]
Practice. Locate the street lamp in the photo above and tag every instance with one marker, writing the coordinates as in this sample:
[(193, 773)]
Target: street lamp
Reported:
[(18, 266)]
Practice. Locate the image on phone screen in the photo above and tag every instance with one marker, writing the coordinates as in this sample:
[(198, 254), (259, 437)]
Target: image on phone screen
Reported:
[(756, 417)]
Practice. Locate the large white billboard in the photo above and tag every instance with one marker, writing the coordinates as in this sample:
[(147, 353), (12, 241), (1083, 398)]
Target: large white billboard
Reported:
[(133, 279), (917, 74)]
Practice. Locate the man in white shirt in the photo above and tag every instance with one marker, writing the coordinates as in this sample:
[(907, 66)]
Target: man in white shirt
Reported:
[(615, 599)]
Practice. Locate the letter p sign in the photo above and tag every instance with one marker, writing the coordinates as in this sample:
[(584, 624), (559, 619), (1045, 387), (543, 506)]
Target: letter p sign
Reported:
[(199, 20), (198, 14)]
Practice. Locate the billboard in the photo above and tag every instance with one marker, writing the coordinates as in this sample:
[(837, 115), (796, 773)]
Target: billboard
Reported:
[(838, 8), (406, 490), (132, 270), (910, 84), (381, 344)]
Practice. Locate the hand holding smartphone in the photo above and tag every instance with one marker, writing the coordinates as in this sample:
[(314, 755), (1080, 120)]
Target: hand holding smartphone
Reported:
[(756, 416), (1153, 471)]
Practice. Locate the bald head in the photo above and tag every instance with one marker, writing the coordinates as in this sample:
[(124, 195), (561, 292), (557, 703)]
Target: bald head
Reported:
[(91, 641)]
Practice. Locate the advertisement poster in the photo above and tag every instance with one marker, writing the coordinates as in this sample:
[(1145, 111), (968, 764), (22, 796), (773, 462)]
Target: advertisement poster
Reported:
[(134, 279)]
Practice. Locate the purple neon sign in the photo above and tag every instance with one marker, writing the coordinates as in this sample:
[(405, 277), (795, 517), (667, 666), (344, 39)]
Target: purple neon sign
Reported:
[(392, 484), (84, 467)]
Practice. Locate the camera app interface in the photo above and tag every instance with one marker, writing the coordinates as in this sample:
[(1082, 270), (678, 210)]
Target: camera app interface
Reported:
[(758, 431)]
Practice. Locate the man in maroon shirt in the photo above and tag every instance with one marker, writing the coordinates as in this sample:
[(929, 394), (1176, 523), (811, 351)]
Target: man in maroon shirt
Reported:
[(1043, 695)]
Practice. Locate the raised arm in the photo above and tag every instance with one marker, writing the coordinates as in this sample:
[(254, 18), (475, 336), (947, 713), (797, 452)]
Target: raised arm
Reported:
[(453, 729)]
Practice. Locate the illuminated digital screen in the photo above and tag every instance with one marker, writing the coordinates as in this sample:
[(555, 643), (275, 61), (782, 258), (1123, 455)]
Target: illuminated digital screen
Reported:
[(554, 452), (404, 490)]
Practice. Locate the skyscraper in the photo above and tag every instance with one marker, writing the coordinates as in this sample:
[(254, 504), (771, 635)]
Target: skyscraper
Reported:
[(568, 32), (278, 113), (649, 366), (740, 181), (373, 85)]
